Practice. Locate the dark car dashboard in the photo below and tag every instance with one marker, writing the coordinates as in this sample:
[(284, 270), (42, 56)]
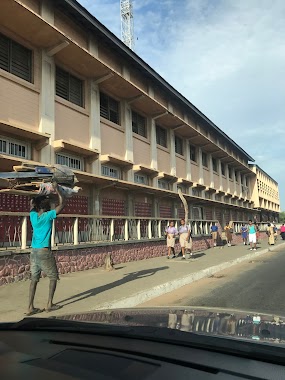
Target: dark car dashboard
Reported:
[(54, 354)]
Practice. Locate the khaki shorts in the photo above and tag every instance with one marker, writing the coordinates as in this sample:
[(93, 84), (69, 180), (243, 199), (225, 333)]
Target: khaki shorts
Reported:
[(43, 260), (214, 235), (170, 239)]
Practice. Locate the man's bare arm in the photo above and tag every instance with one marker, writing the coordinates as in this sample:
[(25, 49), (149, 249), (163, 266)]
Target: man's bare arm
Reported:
[(61, 199)]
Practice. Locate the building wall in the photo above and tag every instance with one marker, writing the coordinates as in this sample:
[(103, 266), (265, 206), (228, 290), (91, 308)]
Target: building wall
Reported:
[(21, 105)]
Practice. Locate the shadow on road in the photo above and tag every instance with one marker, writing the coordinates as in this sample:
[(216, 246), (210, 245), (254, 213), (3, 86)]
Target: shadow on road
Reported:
[(100, 289), (197, 255)]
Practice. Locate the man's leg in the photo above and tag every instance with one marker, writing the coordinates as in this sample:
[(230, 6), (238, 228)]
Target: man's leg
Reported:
[(32, 293), (35, 275), (52, 288)]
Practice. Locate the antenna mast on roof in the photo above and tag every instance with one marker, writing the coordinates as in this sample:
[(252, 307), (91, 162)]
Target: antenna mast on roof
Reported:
[(127, 23)]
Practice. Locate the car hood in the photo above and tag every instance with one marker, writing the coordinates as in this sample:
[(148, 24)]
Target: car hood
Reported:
[(210, 321)]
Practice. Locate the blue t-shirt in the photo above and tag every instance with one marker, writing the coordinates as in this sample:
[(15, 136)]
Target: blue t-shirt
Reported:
[(42, 227), (214, 228)]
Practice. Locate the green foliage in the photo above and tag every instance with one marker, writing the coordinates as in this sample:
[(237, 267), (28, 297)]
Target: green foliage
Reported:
[(282, 216)]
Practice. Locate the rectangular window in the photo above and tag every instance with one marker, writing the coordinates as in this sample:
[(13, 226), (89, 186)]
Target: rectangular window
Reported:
[(139, 124), (196, 193), (204, 159), (161, 136), (223, 168), (215, 164), (109, 108), (236, 175), (182, 188), (14, 148), (163, 184), (178, 145), (72, 162), (109, 171), (68, 87), (141, 178), (15, 58), (230, 172), (193, 154)]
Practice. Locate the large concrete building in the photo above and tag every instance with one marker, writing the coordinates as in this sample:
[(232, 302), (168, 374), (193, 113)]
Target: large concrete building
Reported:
[(72, 93)]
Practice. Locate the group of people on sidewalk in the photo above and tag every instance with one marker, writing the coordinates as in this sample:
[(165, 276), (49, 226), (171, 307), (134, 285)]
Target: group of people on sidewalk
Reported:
[(185, 239), (250, 233)]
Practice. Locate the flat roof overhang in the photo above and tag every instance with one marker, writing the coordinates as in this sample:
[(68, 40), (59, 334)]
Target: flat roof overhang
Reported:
[(39, 139)]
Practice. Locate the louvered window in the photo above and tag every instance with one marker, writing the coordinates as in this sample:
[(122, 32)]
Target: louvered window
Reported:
[(72, 162), (15, 58), (109, 108), (178, 145), (161, 136), (110, 171), (139, 124), (69, 87), (193, 155), (14, 147)]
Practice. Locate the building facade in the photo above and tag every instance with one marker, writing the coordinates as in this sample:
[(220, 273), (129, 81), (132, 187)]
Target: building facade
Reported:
[(72, 93)]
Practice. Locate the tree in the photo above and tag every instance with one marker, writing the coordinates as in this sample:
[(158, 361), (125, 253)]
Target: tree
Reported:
[(282, 217)]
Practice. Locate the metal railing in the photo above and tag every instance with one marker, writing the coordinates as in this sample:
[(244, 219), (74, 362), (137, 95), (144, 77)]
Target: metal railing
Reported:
[(16, 230)]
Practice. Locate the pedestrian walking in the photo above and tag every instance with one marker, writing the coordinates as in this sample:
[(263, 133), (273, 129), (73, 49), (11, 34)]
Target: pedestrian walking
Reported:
[(229, 233), (185, 238), (214, 233), (252, 235), (270, 234), (257, 232), (282, 231), (41, 257), (244, 233), (275, 229), (171, 233)]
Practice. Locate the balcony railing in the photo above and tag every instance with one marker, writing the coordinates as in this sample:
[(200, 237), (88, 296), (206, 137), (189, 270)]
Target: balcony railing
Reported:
[(16, 230), (74, 230)]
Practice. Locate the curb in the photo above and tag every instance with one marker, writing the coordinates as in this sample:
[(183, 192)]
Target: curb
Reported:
[(159, 290)]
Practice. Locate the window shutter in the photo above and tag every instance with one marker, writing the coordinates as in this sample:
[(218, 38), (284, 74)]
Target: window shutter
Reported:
[(75, 90), (114, 111), (21, 61), (62, 83), (161, 137), (4, 53), (104, 106)]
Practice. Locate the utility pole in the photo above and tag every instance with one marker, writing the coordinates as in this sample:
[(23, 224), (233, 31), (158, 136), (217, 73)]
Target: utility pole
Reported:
[(127, 23)]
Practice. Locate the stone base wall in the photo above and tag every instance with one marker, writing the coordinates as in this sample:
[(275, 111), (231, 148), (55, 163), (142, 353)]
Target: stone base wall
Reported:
[(16, 267)]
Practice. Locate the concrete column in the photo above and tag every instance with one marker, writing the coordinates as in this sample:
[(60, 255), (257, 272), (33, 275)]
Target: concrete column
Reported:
[(126, 118), (172, 153), (220, 174), (47, 106), (93, 46), (235, 182), (47, 11), (211, 171), (130, 205), (188, 161), (200, 166), (239, 187), (94, 124), (228, 178), (153, 147), (94, 201)]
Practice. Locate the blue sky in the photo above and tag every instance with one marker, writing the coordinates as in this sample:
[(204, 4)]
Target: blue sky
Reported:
[(226, 56)]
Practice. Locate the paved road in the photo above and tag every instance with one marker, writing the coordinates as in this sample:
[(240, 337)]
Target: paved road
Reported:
[(258, 285)]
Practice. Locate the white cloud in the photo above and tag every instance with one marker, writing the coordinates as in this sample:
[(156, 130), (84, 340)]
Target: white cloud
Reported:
[(226, 56)]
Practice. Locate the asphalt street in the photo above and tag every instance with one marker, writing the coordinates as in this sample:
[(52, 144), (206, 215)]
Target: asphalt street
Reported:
[(257, 285)]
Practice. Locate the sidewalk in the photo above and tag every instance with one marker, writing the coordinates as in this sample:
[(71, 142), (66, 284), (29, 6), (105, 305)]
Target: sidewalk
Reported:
[(129, 285)]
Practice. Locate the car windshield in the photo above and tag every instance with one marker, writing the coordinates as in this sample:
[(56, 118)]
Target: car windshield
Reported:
[(141, 149)]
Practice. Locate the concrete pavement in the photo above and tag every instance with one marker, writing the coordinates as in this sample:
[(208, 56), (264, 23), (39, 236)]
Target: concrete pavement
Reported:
[(129, 285)]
